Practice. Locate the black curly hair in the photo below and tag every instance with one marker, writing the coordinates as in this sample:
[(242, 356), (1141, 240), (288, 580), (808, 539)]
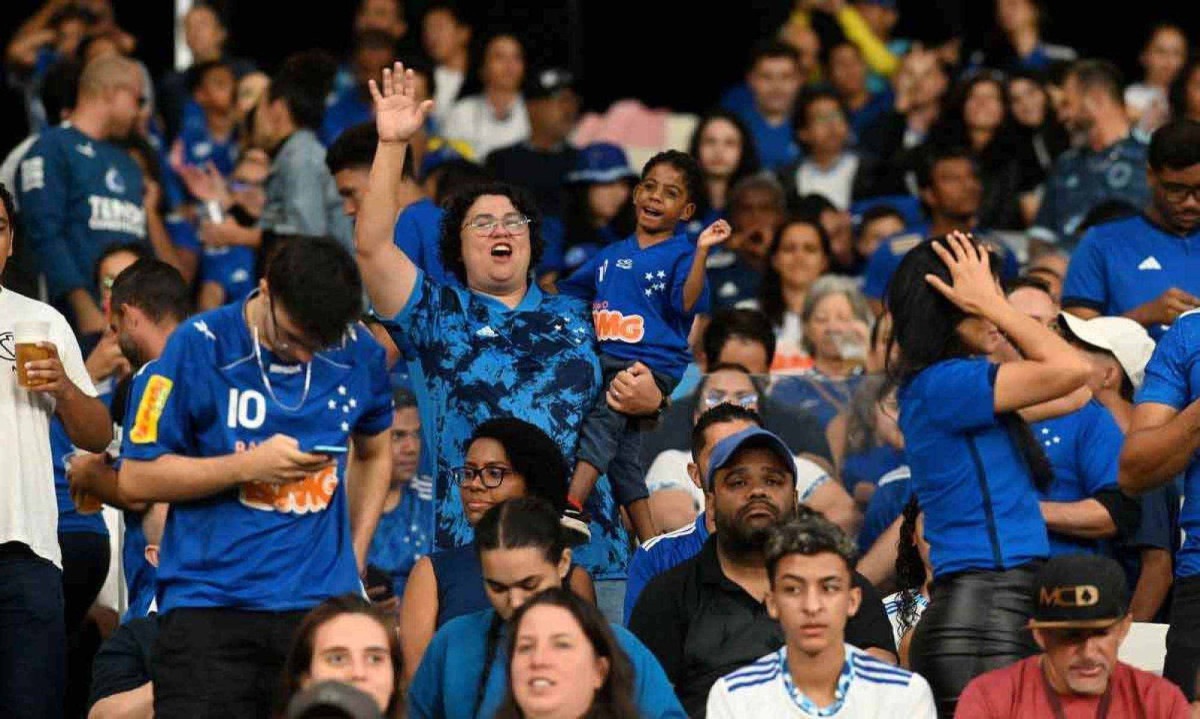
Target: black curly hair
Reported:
[(459, 204)]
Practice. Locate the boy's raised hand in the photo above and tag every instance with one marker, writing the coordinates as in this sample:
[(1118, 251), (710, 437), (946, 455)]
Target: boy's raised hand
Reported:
[(714, 234), (398, 115)]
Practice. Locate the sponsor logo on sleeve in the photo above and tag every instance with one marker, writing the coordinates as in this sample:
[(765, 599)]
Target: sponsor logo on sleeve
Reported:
[(150, 409)]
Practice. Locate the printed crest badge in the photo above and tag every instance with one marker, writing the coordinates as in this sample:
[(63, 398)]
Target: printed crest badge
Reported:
[(114, 182), (1119, 175), (625, 264)]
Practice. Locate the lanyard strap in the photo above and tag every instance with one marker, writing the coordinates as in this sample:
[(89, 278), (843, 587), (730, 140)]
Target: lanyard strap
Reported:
[(1056, 703)]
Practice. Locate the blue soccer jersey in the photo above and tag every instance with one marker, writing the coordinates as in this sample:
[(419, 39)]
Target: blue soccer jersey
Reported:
[(78, 196), (1082, 179), (1173, 379), (476, 359), (201, 148), (1122, 265), (637, 301), (1083, 448), (231, 267), (981, 507), (213, 393)]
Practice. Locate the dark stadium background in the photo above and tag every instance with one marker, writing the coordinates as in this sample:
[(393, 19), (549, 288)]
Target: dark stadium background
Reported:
[(672, 53)]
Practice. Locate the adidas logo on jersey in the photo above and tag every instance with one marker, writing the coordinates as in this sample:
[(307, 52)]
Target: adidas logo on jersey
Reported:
[(1150, 263)]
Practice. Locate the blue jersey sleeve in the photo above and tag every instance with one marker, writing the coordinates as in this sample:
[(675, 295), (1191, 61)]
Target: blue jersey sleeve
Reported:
[(1084, 285), (965, 390), (640, 572), (1099, 451), (406, 235), (43, 177), (582, 282), (554, 244), (1167, 372), (378, 417), (158, 422), (652, 691)]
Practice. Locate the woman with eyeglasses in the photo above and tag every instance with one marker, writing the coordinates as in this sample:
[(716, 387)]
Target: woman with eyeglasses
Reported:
[(506, 458), (488, 340), (522, 550)]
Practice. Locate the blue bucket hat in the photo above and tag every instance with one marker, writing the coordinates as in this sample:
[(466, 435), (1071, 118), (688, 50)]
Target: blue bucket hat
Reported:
[(599, 163)]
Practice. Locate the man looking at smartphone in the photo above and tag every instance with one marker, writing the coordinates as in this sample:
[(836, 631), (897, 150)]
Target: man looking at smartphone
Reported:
[(238, 426)]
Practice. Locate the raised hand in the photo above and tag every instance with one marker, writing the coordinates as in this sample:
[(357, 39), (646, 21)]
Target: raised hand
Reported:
[(973, 286), (398, 115), (714, 234)]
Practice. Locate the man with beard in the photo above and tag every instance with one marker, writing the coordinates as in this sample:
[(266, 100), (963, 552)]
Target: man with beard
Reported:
[(1143, 267), (1107, 162), (707, 617), (149, 299)]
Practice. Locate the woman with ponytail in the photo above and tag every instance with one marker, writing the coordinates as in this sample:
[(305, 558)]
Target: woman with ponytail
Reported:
[(464, 673), (976, 467)]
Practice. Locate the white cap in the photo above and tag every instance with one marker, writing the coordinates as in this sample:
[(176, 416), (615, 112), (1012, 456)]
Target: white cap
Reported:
[(1122, 337)]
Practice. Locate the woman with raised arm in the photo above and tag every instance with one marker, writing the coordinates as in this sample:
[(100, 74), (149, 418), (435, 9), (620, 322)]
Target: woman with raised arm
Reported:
[(975, 465), (495, 347)]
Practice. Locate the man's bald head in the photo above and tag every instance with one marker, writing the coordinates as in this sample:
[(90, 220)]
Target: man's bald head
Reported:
[(109, 73)]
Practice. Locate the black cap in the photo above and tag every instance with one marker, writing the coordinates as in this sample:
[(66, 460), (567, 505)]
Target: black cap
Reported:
[(1079, 591), (547, 83), (331, 699)]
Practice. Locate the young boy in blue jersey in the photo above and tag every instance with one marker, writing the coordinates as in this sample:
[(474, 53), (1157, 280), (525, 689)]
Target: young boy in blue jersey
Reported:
[(645, 291), (246, 425), (213, 86)]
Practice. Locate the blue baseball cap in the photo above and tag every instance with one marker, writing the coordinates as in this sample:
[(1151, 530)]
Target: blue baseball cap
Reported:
[(440, 152), (750, 438), (599, 163), (889, 4)]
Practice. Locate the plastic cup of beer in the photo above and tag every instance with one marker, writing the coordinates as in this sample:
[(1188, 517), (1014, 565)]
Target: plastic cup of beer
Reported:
[(85, 502), (27, 335)]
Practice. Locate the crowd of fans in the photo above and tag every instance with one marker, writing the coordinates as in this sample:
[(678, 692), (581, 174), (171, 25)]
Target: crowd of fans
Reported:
[(874, 397)]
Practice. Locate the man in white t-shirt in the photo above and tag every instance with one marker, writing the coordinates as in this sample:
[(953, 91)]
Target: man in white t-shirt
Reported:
[(32, 631), (816, 673)]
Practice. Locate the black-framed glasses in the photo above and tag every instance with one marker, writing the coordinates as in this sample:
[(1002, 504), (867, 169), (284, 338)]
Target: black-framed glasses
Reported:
[(513, 223), (283, 339), (1179, 193), (491, 475)]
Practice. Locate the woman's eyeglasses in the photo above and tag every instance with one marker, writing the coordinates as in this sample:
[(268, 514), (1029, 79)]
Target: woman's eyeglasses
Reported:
[(491, 475), (514, 223)]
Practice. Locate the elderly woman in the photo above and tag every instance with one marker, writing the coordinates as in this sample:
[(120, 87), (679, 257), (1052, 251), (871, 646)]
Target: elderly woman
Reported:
[(836, 322), (497, 346)]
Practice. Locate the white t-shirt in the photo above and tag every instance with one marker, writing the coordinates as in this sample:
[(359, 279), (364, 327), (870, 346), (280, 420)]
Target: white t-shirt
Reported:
[(448, 83), (29, 510), (669, 471), (867, 689), (836, 183), (473, 121)]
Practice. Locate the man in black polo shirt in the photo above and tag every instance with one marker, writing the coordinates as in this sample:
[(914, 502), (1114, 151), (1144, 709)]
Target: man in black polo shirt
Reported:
[(706, 617), (541, 163)]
